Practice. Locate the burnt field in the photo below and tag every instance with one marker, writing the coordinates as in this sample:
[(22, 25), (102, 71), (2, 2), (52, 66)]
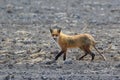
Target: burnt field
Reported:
[(26, 45)]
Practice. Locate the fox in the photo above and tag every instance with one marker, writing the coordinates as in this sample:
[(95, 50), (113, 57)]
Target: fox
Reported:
[(84, 42)]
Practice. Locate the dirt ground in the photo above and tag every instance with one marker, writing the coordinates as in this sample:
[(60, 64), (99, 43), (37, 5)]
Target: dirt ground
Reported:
[(26, 45)]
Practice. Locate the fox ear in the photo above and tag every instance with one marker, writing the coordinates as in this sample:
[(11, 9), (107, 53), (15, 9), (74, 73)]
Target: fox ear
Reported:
[(51, 30), (59, 30)]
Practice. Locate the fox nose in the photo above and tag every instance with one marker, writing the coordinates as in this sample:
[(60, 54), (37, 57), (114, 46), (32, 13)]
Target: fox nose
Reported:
[(55, 39)]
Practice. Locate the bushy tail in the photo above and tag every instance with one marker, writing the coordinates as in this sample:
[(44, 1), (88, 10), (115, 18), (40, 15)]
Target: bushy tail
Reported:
[(100, 54)]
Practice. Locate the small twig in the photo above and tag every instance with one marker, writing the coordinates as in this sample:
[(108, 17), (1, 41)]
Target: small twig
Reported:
[(84, 29), (109, 48), (86, 26)]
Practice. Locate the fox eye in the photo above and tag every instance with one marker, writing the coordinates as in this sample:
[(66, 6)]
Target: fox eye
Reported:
[(54, 35)]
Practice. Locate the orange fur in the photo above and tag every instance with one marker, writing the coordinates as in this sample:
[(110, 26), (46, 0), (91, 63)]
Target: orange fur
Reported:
[(83, 41), (76, 41)]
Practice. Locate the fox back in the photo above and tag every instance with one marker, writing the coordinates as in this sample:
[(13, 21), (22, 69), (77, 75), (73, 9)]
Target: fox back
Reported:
[(72, 41)]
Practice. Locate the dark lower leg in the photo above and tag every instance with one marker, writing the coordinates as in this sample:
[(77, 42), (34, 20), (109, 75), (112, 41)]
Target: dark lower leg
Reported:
[(64, 56), (83, 56), (59, 54), (92, 55)]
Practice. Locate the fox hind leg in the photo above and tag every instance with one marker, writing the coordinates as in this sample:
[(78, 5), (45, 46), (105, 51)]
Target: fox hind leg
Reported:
[(92, 55), (83, 56), (87, 51)]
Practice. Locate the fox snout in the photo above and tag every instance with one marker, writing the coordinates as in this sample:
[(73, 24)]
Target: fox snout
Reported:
[(55, 38)]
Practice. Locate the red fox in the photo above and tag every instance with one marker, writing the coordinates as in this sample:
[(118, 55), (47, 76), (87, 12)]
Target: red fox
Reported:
[(83, 41)]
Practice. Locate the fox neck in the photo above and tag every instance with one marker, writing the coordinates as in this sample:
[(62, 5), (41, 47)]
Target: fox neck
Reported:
[(61, 37)]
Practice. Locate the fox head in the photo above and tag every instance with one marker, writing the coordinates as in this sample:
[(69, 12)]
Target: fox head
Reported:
[(55, 33)]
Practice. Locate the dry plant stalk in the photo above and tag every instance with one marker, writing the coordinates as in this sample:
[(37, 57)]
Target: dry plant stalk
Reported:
[(86, 26), (109, 48)]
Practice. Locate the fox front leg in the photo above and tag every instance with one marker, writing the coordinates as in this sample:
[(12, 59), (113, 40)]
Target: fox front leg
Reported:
[(59, 54), (64, 56)]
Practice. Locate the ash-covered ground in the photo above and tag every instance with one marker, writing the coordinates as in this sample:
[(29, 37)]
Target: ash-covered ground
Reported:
[(26, 45)]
